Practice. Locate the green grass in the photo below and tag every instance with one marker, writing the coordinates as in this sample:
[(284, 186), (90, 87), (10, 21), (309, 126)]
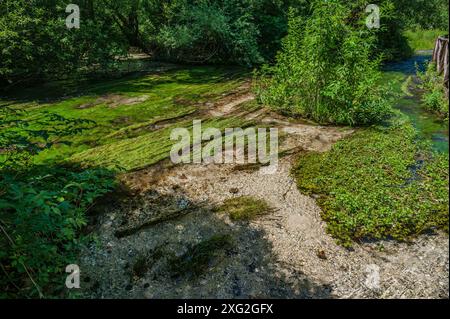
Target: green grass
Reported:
[(244, 208), (372, 186), (423, 39)]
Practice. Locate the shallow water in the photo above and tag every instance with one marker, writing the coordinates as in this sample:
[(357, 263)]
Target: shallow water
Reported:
[(429, 126)]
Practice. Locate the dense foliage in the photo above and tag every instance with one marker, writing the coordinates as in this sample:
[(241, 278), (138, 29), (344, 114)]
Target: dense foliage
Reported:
[(35, 43), (238, 31), (378, 184), (42, 213), (325, 71), (42, 208), (434, 96), (391, 44), (425, 14)]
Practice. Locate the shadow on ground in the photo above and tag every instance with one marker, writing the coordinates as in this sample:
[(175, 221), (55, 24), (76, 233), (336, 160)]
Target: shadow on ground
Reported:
[(142, 81), (165, 246)]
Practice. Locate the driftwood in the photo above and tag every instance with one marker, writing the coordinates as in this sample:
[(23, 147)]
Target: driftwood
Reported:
[(440, 57)]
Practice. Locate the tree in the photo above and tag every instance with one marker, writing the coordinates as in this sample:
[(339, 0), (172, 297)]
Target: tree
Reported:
[(35, 43)]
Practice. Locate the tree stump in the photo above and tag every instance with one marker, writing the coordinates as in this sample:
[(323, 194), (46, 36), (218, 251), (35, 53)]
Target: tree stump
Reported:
[(440, 57)]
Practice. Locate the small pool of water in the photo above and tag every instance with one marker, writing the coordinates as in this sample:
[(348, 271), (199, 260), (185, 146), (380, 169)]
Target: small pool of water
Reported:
[(429, 126)]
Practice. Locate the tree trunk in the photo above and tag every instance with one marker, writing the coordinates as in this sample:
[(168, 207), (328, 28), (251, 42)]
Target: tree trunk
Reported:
[(440, 57)]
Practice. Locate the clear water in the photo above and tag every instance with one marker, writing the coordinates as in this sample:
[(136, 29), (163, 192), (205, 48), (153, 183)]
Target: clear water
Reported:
[(429, 126)]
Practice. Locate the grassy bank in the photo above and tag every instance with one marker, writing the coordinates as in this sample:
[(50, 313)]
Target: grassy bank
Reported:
[(423, 39), (377, 184)]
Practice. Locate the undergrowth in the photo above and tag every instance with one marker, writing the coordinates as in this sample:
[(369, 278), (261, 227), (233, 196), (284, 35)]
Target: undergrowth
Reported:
[(434, 97), (378, 184), (42, 211)]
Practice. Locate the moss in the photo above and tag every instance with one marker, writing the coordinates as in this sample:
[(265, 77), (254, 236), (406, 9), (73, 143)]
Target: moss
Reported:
[(198, 258), (251, 106), (147, 149), (378, 183), (140, 266), (163, 92), (244, 208)]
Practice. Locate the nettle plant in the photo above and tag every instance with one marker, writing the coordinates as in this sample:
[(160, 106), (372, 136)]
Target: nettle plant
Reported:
[(42, 207)]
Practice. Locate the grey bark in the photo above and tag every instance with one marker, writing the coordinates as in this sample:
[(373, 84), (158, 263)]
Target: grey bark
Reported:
[(440, 57)]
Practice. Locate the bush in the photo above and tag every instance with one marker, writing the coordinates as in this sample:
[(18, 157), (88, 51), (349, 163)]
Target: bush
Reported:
[(42, 208), (221, 31), (325, 72), (391, 43), (426, 14), (42, 212), (434, 97)]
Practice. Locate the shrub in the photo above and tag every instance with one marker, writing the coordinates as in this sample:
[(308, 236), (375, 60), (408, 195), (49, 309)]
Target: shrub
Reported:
[(245, 32), (434, 97), (429, 14), (42, 208), (324, 71), (42, 212), (35, 43), (390, 41)]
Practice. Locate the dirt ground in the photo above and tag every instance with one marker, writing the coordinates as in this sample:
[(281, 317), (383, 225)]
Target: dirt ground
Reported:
[(285, 254)]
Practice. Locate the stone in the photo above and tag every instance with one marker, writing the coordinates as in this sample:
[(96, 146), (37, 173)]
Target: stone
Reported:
[(321, 254)]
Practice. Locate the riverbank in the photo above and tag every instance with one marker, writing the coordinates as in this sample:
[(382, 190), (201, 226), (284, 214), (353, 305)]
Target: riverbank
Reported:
[(167, 234), (286, 253)]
